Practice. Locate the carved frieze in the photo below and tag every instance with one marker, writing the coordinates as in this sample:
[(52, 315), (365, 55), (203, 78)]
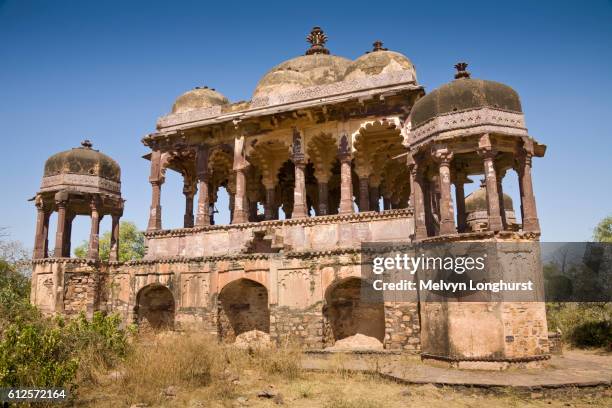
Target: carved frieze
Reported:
[(482, 120)]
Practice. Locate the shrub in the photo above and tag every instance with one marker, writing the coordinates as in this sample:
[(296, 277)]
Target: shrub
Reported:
[(582, 324), (36, 354)]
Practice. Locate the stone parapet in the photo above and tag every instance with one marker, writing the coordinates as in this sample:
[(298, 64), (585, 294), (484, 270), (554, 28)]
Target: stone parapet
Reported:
[(300, 235)]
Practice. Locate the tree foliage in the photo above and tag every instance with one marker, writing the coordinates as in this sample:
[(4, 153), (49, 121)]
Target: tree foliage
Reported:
[(603, 230), (131, 244), (39, 351)]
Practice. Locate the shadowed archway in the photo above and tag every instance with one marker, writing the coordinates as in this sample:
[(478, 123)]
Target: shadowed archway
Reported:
[(243, 306), (350, 311), (155, 307)]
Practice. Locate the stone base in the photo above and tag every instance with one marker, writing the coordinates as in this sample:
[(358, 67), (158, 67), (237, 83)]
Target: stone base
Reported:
[(540, 361)]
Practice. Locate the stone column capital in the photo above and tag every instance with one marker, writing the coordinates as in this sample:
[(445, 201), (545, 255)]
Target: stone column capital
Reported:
[(61, 199), (344, 149), (94, 203), (189, 190), (345, 157), (443, 156), (523, 158), (299, 160)]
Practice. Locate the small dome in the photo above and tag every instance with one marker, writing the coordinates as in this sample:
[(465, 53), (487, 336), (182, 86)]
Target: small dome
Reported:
[(302, 72), (379, 61), (83, 161), (198, 98), (464, 94), (477, 201)]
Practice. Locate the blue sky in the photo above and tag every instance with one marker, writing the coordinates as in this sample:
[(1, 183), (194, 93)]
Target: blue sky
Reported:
[(106, 70)]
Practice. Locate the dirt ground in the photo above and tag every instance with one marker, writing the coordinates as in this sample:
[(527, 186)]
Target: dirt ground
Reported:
[(348, 390), (191, 371)]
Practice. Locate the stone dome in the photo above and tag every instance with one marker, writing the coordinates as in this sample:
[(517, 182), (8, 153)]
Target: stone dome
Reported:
[(477, 201), (198, 98), (464, 93), (379, 61), (83, 161), (302, 72)]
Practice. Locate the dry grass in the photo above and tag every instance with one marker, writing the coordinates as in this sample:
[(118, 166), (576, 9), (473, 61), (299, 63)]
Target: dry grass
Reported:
[(203, 373)]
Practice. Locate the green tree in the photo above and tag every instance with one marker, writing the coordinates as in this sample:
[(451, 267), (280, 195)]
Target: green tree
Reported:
[(603, 230), (131, 244)]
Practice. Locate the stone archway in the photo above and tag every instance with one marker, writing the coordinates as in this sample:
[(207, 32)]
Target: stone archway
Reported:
[(243, 307), (155, 307), (349, 311)]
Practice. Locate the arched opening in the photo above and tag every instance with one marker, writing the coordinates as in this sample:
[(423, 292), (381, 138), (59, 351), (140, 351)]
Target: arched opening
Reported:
[(352, 308), (376, 173), (155, 307), (243, 307)]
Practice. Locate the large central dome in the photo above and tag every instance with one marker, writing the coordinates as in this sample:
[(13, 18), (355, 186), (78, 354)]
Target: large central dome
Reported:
[(317, 67), (302, 72)]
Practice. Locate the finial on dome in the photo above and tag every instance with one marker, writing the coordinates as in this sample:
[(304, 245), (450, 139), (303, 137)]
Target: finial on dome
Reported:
[(378, 46), (461, 72), (86, 144), (317, 40)]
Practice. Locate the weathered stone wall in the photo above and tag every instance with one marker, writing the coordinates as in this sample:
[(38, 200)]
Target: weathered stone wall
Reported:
[(402, 327), (304, 327), (305, 234), (525, 328), (505, 326), (80, 292)]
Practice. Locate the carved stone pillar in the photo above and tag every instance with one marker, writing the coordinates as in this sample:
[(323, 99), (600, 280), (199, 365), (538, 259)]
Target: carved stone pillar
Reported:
[(374, 193), (500, 194), (189, 192), (156, 179), (460, 199), (420, 226), (252, 211), (488, 154), (240, 210), (46, 235), (364, 193), (269, 207), (323, 196), (529, 212), (61, 201), (299, 190), (447, 221), (42, 218), (300, 208), (68, 234), (386, 198), (114, 242), (94, 234), (203, 215)]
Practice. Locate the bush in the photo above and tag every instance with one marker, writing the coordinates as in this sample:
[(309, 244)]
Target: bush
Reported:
[(582, 324), (36, 355), (593, 334), (39, 352)]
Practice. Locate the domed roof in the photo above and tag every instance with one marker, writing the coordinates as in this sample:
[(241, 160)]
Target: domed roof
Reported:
[(302, 72), (464, 93), (83, 161), (317, 67), (198, 98), (379, 61), (477, 201)]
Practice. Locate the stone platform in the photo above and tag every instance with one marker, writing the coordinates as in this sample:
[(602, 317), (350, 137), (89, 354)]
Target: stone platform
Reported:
[(573, 369)]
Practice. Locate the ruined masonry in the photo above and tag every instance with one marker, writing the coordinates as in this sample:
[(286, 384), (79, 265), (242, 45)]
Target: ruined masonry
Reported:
[(329, 153)]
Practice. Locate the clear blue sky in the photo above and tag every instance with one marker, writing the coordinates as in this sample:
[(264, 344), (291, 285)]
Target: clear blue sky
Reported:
[(105, 70)]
